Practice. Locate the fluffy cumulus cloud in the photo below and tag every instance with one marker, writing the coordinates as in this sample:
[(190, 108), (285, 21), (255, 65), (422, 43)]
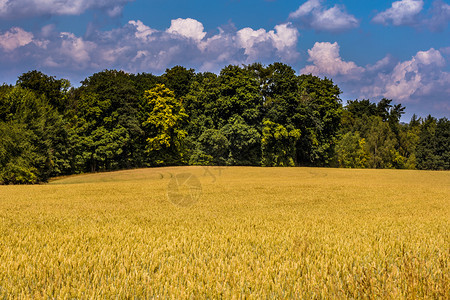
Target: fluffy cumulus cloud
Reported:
[(13, 9), (402, 12), (326, 60), (313, 14), (407, 82), (76, 48), (261, 43), (421, 76), (142, 31), (15, 38), (136, 47), (411, 13), (188, 28)]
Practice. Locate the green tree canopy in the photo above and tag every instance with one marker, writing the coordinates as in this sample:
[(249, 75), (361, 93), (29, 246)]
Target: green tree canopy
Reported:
[(164, 126)]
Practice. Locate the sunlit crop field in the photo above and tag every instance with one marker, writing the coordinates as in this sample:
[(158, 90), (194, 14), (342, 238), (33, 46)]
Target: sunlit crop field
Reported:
[(237, 232)]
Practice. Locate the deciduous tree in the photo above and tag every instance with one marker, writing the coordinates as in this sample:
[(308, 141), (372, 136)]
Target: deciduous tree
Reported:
[(164, 126)]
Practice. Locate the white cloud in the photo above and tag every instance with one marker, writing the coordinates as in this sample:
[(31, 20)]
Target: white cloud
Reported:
[(48, 30), (249, 39), (411, 13), (188, 28), (430, 57), (142, 31), (136, 47), (440, 16), (381, 65), (256, 43), (409, 82), (3, 5), (15, 38), (402, 12), (306, 8), (114, 11), (285, 37), (313, 14), (221, 49), (422, 78), (404, 81), (13, 9), (328, 62), (416, 76), (76, 48)]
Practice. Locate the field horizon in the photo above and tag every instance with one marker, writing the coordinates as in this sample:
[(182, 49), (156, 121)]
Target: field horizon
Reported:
[(228, 232)]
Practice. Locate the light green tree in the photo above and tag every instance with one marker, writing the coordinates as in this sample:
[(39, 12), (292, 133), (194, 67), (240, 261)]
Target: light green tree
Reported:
[(278, 145), (164, 126), (350, 151)]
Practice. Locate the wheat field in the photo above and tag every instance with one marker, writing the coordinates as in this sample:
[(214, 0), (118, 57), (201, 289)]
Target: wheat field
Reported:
[(231, 233)]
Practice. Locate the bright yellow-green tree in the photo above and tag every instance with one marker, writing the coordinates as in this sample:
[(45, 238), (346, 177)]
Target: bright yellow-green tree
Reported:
[(351, 151), (166, 118), (278, 145)]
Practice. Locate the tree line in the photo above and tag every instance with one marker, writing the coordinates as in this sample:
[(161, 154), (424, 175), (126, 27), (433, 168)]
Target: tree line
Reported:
[(252, 115)]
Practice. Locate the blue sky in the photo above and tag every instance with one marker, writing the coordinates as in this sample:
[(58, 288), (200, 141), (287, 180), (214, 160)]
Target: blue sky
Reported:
[(372, 49)]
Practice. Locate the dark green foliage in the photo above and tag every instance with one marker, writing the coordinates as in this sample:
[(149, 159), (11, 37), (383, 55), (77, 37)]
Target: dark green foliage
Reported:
[(144, 81), (244, 142), (225, 110), (33, 138), (211, 148), (443, 143), (387, 142), (280, 88), (433, 148), (320, 116), (250, 115), (179, 80), (426, 148), (53, 89), (16, 154), (107, 121), (381, 145), (238, 96)]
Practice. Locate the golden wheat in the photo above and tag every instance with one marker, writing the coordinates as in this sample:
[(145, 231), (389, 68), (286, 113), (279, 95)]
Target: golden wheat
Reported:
[(251, 233)]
